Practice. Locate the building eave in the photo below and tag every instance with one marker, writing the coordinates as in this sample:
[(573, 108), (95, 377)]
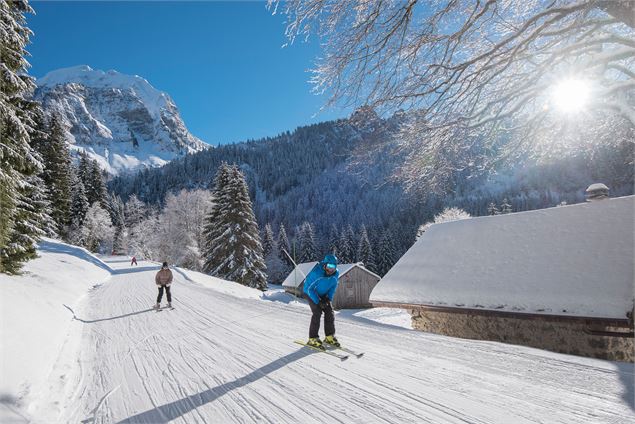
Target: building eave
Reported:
[(613, 322)]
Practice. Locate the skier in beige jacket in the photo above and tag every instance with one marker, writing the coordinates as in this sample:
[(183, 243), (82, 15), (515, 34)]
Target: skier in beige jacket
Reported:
[(163, 280)]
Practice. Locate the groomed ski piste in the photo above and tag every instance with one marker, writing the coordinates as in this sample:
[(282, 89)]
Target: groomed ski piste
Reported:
[(82, 344)]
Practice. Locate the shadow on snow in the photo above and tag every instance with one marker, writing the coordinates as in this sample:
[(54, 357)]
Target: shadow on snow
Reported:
[(627, 376), (91, 321), (176, 409), (135, 269)]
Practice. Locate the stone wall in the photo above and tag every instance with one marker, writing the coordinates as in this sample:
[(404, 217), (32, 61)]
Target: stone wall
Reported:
[(572, 337)]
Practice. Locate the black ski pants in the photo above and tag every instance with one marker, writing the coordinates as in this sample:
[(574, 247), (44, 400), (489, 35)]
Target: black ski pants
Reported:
[(329, 319), (167, 293)]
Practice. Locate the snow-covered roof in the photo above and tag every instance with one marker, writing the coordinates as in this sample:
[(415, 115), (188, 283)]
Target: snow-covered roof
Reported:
[(597, 186), (297, 276), (571, 260)]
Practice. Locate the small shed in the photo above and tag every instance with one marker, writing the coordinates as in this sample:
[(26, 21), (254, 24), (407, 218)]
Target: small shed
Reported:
[(353, 291), (559, 279)]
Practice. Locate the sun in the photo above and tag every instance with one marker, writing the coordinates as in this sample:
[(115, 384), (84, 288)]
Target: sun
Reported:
[(571, 95)]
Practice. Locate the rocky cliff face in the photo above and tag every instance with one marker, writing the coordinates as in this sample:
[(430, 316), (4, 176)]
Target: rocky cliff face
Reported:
[(119, 120)]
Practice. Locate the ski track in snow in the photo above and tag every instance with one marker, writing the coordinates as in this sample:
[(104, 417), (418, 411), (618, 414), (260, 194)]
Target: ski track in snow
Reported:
[(219, 358)]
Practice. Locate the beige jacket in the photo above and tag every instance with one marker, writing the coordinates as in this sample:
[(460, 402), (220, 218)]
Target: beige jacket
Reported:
[(163, 278)]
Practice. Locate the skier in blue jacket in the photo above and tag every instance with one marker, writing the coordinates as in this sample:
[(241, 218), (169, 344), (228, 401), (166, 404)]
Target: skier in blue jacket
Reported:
[(319, 289)]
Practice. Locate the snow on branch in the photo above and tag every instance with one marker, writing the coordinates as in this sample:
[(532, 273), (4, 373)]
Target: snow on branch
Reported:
[(472, 65)]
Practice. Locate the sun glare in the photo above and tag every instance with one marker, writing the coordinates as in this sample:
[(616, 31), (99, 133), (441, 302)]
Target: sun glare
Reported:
[(571, 95)]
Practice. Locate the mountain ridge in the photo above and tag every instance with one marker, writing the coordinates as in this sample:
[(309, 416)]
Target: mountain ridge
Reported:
[(120, 120)]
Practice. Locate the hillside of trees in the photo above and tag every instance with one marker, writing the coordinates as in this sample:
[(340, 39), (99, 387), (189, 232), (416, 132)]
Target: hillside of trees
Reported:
[(341, 178)]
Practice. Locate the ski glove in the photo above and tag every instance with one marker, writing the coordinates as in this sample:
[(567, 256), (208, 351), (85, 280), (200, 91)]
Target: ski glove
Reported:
[(325, 303)]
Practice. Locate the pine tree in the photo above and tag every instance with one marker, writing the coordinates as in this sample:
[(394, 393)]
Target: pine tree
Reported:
[(333, 240), (79, 208), (506, 207), (237, 250), (268, 243), (20, 223), (83, 169), (283, 246), (365, 251), (57, 170), (347, 246), (116, 210), (308, 249), (386, 255), (345, 250), (215, 224), (94, 185), (276, 268), (40, 199), (352, 243), (492, 209), (27, 230)]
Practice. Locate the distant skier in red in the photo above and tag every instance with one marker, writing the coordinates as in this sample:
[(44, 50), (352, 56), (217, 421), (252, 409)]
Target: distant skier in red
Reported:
[(133, 261)]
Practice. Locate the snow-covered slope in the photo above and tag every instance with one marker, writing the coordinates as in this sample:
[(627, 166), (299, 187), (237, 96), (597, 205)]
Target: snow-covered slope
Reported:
[(120, 120), (225, 354), (570, 260), (35, 325)]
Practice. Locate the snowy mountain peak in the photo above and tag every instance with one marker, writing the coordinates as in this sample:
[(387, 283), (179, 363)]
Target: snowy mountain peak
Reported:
[(89, 77), (120, 120)]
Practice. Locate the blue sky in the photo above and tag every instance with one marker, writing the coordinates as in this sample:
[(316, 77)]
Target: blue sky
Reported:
[(221, 62)]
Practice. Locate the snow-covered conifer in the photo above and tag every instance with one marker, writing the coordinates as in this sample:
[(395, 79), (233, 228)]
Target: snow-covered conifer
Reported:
[(238, 250), (17, 161), (57, 170), (31, 220), (365, 251), (40, 199), (308, 249), (333, 240), (79, 208), (347, 245), (94, 184), (116, 210), (215, 222), (277, 270), (83, 169), (283, 246), (268, 242), (386, 253), (506, 207)]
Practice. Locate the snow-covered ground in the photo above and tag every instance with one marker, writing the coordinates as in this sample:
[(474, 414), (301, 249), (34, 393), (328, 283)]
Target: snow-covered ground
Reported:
[(34, 323), (226, 354)]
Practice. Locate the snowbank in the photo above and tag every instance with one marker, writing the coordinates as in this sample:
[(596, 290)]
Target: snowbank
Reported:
[(222, 286), (387, 316), (571, 260), (33, 320)]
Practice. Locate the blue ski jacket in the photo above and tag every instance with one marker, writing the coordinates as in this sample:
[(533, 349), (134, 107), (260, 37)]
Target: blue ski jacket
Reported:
[(317, 284)]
